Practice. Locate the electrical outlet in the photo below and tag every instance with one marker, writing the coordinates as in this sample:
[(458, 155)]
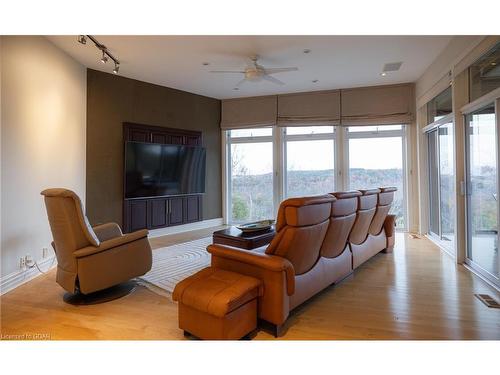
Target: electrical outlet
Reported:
[(45, 252), (28, 260), (22, 263)]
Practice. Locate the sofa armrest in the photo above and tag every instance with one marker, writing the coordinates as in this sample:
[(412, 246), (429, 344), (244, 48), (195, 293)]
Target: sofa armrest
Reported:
[(112, 243), (389, 225), (107, 231), (269, 262)]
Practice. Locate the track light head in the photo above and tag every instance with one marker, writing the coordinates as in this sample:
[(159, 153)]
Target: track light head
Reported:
[(82, 39), (116, 69), (104, 58)]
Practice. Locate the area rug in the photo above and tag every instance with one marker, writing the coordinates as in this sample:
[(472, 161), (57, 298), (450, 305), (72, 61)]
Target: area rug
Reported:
[(173, 264)]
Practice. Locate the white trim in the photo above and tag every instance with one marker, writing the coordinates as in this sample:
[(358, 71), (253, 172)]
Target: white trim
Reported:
[(186, 227), (224, 177), (18, 278)]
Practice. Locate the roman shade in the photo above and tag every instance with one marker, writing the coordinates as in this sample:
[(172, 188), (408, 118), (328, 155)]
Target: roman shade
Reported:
[(309, 108), (250, 112), (378, 105)]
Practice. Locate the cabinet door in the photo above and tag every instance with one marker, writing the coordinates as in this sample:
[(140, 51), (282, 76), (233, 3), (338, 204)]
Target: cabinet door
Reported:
[(158, 213), (138, 214), (193, 208), (176, 212)]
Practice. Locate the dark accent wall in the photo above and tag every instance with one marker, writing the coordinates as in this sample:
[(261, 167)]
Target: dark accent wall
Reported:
[(113, 100)]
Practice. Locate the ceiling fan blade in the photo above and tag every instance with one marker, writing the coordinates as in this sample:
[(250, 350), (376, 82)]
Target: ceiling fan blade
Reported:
[(280, 70), (227, 71), (240, 82), (272, 79)]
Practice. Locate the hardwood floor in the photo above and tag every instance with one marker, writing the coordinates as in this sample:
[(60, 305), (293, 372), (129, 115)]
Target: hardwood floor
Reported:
[(417, 292)]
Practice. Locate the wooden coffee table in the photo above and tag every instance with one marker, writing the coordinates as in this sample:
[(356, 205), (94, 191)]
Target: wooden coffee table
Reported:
[(232, 236)]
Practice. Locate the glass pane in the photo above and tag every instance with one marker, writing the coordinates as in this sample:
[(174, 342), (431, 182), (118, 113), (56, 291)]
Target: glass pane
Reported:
[(376, 162), (251, 182), (440, 106), (313, 174), (309, 130), (379, 128), (483, 189), (255, 132), (433, 183), (485, 74), (447, 183)]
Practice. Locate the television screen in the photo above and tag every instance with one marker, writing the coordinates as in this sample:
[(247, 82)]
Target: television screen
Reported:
[(153, 170)]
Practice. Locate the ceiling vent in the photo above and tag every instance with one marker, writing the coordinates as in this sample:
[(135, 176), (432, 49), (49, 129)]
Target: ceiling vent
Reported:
[(392, 67)]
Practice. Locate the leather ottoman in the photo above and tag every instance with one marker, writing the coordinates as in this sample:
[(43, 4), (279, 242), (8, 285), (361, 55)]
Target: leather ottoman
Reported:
[(216, 304)]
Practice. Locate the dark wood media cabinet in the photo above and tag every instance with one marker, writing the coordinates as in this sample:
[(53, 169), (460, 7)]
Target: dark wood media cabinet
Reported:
[(160, 212)]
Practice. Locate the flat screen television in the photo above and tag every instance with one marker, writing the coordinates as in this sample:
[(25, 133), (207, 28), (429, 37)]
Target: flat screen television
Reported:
[(154, 170)]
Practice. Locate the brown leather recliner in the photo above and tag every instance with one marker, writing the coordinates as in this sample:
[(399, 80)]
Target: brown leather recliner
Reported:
[(92, 259), (312, 248)]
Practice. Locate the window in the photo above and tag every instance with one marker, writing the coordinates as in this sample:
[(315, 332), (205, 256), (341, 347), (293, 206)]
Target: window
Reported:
[(484, 74), (309, 160), (251, 175), (376, 159), (267, 165), (440, 106)]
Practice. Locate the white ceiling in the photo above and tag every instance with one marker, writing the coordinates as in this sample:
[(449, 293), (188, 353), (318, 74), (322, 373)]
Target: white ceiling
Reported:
[(336, 61)]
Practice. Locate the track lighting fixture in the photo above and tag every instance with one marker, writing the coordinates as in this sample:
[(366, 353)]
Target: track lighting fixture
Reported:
[(104, 58), (106, 55), (82, 39)]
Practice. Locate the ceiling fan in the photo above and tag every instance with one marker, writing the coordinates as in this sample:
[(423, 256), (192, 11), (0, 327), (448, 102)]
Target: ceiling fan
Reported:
[(257, 73)]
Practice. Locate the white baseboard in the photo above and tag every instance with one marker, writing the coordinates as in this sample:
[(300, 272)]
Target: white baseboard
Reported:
[(15, 279), (186, 227)]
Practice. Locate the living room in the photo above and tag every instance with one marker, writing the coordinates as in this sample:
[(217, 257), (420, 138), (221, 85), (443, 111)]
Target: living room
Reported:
[(248, 186)]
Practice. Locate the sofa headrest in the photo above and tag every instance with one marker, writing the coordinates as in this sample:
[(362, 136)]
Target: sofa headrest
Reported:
[(386, 196), (370, 191), (346, 194), (346, 203), (304, 211)]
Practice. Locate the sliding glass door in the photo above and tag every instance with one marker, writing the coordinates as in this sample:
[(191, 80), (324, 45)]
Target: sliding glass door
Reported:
[(482, 191), (441, 173)]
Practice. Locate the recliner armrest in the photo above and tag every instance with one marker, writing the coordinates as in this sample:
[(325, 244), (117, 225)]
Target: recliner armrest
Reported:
[(107, 231), (112, 243), (262, 260)]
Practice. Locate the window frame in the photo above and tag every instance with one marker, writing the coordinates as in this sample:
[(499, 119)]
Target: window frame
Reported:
[(380, 134), (279, 139), (306, 137), (227, 183)]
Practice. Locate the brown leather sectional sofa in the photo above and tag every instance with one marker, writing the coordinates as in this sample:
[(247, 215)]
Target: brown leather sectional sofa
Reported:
[(320, 240)]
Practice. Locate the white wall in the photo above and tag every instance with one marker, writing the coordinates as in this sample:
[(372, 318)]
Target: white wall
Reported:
[(43, 127)]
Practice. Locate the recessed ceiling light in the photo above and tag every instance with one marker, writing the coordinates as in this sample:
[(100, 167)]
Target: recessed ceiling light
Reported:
[(236, 89), (383, 74), (206, 63), (307, 50), (315, 81)]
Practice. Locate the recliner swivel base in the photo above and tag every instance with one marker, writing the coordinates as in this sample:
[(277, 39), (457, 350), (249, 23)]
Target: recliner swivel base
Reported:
[(101, 296)]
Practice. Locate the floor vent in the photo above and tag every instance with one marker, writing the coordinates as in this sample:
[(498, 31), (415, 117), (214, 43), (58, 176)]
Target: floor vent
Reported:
[(488, 300)]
